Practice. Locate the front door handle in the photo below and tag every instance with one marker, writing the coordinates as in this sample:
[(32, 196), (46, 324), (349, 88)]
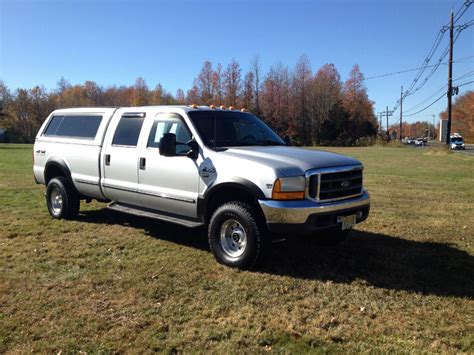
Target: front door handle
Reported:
[(107, 159), (142, 163)]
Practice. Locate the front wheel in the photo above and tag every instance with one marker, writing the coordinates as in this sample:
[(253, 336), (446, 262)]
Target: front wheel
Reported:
[(62, 199), (236, 236)]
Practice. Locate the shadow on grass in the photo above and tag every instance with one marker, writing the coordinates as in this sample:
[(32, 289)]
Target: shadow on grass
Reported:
[(381, 260)]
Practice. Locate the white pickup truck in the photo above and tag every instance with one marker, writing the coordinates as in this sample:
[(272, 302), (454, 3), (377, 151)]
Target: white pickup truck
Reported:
[(199, 166)]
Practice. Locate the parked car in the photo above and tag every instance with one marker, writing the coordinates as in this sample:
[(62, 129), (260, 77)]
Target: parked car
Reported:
[(199, 166), (419, 142)]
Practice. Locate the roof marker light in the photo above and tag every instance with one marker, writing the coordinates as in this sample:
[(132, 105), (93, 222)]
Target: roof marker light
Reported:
[(222, 107)]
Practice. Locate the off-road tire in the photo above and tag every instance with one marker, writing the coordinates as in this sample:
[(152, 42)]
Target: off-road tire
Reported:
[(257, 240), (70, 203)]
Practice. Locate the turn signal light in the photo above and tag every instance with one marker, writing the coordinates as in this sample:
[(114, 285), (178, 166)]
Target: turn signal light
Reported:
[(277, 194)]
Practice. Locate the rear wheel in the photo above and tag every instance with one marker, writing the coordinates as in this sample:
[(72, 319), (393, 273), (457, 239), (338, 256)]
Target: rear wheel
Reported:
[(236, 236), (62, 199)]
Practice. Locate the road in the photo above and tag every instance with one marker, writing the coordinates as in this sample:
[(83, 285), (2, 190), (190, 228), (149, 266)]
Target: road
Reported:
[(469, 147)]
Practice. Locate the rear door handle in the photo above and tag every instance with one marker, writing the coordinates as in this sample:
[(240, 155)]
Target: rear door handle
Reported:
[(107, 159), (142, 163)]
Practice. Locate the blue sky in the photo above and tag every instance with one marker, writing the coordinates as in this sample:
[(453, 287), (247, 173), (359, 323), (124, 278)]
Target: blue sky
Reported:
[(114, 42)]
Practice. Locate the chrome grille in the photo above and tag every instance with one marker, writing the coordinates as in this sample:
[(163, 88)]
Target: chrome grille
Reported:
[(325, 185)]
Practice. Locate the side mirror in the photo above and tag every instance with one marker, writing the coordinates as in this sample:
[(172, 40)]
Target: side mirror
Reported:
[(194, 152), (168, 145), (287, 140)]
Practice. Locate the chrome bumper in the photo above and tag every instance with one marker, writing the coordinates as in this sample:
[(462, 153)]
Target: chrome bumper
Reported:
[(296, 212)]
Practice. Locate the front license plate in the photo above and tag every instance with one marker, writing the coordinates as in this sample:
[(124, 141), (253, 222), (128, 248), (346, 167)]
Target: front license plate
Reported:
[(348, 221)]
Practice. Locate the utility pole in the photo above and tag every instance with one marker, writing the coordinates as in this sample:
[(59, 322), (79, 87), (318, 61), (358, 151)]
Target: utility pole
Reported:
[(380, 125), (401, 112), (388, 113), (450, 77)]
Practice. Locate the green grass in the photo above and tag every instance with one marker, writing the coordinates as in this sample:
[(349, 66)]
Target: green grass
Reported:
[(403, 282)]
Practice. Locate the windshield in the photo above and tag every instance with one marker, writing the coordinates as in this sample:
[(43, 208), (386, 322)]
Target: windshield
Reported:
[(456, 140), (232, 129)]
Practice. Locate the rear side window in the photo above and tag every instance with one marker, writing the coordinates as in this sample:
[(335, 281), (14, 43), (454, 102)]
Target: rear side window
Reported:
[(128, 131), (73, 126)]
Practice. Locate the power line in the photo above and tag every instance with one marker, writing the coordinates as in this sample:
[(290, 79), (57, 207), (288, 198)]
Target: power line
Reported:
[(469, 82), (462, 10), (425, 108), (399, 72), (471, 73), (421, 103)]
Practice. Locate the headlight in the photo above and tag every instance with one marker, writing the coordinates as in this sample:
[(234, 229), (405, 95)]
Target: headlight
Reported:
[(289, 188), (462, 145), (453, 145)]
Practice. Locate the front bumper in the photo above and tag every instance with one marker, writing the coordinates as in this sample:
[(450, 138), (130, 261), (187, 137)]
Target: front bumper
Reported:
[(307, 216)]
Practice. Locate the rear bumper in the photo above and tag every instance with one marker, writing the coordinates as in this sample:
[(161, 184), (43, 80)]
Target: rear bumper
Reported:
[(307, 216)]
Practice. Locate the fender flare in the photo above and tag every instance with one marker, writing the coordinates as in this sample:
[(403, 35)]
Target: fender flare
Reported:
[(235, 183), (58, 163)]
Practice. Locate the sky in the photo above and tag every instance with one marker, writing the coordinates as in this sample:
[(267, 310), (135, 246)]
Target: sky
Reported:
[(114, 42)]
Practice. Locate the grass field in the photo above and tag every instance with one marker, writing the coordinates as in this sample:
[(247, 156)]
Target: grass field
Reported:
[(403, 282)]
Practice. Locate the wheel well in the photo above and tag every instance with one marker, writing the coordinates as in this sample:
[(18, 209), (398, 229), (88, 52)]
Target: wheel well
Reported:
[(51, 172), (231, 193)]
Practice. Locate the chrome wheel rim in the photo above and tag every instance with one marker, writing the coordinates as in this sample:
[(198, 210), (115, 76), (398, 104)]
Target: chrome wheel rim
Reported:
[(233, 238), (56, 200)]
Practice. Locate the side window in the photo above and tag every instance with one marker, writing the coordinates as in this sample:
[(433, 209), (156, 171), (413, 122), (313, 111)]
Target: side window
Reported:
[(74, 126), (169, 123), (128, 131)]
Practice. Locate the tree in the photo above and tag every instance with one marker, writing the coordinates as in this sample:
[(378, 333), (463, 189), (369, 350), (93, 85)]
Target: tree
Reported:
[(275, 99), (256, 70), (204, 83), (247, 91), (232, 83), (462, 120), (140, 93), (301, 124), (360, 109), (180, 97), (325, 94)]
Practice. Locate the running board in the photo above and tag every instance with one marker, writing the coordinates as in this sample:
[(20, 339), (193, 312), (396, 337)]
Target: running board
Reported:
[(136, 211)]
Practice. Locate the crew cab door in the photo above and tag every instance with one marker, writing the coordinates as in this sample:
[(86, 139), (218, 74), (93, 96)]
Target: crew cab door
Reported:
[(168, 184), (120, 158)]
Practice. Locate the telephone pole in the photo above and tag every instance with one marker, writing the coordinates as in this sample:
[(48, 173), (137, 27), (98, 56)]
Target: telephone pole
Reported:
[(401, 112), (450, 77), (388, 113)]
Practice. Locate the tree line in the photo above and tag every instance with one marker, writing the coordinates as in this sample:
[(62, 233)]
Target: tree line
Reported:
[(312, 108)]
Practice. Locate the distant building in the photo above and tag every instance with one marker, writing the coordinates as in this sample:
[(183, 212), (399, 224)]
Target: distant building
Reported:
[(443, 130)]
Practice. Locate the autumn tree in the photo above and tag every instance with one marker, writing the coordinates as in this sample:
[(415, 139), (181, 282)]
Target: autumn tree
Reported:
[(248, 90), (256, 69), (324, 95), (300, 125), (275, 99), (462, 120), (362, 120), (204, 84), (232, 83)]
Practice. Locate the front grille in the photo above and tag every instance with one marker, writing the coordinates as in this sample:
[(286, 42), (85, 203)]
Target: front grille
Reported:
[(335, 185)]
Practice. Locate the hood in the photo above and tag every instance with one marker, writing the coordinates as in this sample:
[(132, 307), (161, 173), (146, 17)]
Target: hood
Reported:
[(290, 161)]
